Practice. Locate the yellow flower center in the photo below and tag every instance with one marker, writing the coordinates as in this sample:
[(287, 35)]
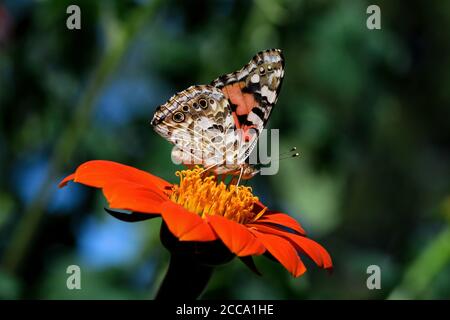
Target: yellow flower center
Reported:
[(204, 195)]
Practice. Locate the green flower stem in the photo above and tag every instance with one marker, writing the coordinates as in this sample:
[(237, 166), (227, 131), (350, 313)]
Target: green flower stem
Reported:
[(185, 278), (191, 265)]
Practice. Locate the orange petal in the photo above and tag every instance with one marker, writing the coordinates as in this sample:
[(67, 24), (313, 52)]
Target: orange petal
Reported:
[(185, 225), (132, 197), (283, 251), (311, 248), (236, 236), (282, 219), (97, 173), (66, 180), (314, 250)]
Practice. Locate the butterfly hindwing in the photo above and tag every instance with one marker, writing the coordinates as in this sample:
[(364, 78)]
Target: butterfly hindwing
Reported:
[(199, 123)]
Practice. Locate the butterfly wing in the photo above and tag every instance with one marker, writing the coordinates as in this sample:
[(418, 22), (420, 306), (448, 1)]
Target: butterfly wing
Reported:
[(199, 123), (252, 93)]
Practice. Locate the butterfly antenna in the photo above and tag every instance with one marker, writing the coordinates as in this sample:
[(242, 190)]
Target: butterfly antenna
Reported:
[(284, 156), (295, 155), (290, 151)]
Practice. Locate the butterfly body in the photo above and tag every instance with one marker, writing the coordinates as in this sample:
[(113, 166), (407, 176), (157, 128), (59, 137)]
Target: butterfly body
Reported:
[(218, 125)]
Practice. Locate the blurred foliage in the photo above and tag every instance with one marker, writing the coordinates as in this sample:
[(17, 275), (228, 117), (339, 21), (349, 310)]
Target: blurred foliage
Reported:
[(368, 110)]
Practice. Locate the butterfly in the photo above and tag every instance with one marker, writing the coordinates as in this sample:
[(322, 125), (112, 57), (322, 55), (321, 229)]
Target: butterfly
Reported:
[(218, 125)]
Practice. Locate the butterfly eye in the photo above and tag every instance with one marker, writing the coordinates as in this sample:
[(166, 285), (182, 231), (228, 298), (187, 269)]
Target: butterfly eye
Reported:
[(178, 116), (203, 103), (185, 108), (262, 70), (269, 68)]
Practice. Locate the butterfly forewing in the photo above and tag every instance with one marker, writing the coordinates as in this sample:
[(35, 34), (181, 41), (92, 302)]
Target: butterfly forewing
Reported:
[(253, 92)]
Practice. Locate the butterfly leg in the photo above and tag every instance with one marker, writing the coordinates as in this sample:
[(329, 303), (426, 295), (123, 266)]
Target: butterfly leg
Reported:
[(206, 170), (239, 180)]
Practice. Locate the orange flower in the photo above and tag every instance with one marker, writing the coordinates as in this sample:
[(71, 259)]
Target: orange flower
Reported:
[(201, 209)]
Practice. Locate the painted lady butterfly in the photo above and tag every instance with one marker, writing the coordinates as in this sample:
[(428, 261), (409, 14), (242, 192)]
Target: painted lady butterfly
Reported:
[(218, 125)]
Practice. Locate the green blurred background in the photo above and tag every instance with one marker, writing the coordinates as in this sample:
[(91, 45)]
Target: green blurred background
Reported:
[(368, 110)]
